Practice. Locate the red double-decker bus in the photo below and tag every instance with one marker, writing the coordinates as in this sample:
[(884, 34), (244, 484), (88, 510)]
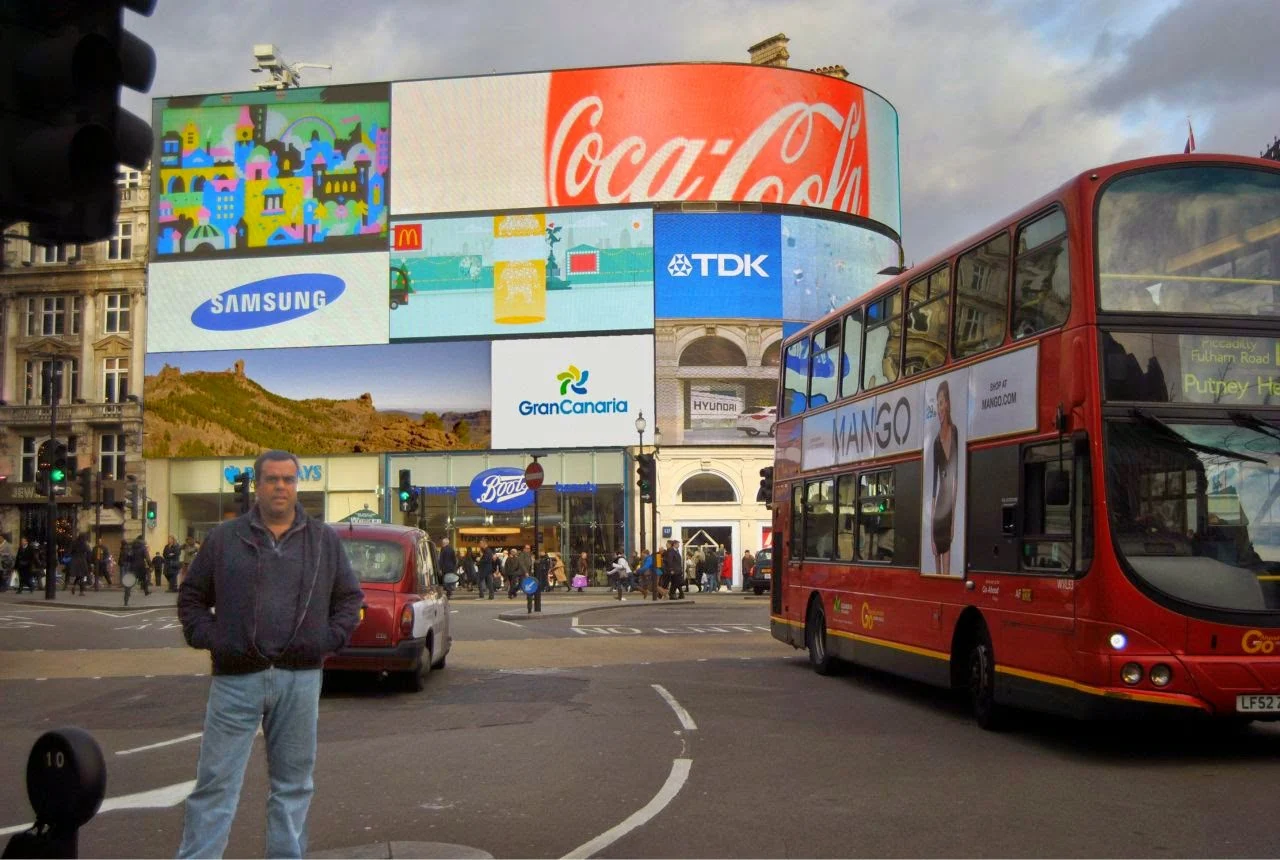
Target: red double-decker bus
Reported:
[(1044, 467)]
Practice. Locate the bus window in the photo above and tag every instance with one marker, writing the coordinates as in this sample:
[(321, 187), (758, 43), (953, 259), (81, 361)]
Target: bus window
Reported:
[(883, 341), (982, 298), (847, 519), (795, 378), (928, 304), (824, 359), (1041, 280), (875, 516), (851, 360), (820, 520)]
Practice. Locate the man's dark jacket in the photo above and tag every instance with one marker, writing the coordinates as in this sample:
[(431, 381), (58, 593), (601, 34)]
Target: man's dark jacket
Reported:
[(228, 573)]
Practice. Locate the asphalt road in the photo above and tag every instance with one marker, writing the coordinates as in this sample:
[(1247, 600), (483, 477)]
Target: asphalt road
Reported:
[(544, 735)]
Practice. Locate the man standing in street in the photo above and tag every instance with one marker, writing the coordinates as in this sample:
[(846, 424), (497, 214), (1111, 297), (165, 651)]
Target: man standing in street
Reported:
[(485, 569), (25, 562), (285, 596), (671, 563)]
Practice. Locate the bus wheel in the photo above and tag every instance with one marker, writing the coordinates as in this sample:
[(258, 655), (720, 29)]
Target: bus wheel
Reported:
[(815, 639), (982, 683)]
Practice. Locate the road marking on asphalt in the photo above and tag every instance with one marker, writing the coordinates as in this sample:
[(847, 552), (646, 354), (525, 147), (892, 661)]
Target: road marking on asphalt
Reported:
[(681, 713), (512, 623), (167, 743), (675, 781), (156, 798)]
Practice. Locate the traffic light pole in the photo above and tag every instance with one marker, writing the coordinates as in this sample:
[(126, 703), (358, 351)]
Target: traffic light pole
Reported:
[(51, 542)]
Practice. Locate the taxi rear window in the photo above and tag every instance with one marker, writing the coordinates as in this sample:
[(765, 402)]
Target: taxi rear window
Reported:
[(375, 560)]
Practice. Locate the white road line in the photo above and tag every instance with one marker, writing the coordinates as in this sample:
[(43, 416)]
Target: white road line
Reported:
[(505, 621), (681, 713), (180, 740), (156, 798), (675, 781)]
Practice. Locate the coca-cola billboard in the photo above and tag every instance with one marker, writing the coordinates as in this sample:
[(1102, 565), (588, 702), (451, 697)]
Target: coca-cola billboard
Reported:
[(589, 137)]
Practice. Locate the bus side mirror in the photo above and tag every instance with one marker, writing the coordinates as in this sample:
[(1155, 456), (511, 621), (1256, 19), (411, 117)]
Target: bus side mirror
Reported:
[(1057, 488)]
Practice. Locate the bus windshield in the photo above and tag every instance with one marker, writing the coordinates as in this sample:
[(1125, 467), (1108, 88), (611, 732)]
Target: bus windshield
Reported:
[(1201, 240), (1195, 508)]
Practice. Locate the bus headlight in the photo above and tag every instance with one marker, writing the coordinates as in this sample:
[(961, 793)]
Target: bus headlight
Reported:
[(1131, 674), (1161, 675), (1118, 641)]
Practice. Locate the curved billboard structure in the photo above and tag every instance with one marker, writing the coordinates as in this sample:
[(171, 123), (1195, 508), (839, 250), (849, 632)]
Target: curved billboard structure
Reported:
[(640, 134)]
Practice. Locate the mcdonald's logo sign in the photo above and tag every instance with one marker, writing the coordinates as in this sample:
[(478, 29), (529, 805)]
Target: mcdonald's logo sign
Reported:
[(407, 237)]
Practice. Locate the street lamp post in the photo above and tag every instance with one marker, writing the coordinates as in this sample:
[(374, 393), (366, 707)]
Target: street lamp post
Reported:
[(640, 425), (657, 440)]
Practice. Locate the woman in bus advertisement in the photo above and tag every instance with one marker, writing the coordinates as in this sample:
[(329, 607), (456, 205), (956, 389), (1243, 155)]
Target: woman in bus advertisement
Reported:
[(944, 470)]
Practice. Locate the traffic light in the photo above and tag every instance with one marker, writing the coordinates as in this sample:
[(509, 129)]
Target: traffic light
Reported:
[(151, 512), (646, 476), (135, 499), (242, 492), (63, 133), (407, 494), (86, 486), (58, 468), (765, 494)]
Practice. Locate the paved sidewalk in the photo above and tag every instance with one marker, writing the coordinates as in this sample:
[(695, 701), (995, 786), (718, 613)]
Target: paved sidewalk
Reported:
[(106, 598)]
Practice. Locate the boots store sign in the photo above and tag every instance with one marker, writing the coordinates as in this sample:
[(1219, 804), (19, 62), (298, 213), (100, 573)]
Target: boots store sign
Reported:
[(637, 134)]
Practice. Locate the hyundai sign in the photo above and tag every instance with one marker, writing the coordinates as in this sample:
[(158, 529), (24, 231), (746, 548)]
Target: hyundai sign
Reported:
[(723, 265), (310, 300), (501, 489)]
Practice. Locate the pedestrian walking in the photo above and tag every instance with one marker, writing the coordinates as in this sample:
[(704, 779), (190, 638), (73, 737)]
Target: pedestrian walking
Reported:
[(484, 570), (157, 568), (8, 563), (24, 562), (172, 557), (621, 574), (101, 564), (190, 547), (580, 573), (469, 569), (511, 573), (671, 563), (748, 567), (711, 568), (448, 560), (78, 564), (135, 569), (285, 596)]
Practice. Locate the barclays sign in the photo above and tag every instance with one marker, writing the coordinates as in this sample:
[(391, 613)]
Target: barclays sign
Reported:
[(268, 302), (501, 489)]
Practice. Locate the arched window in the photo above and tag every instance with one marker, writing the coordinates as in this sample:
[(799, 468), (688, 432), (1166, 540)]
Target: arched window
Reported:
[(772, 355), (706, 487), (712, 351), (197, 184)]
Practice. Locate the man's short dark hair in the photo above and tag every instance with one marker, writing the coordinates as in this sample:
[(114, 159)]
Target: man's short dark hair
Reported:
[(275, 454)]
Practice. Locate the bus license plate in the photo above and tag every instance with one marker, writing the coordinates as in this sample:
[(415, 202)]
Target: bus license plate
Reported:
[(1257, 704)]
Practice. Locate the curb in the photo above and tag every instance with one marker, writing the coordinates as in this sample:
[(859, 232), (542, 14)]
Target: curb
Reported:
[(387, 850)]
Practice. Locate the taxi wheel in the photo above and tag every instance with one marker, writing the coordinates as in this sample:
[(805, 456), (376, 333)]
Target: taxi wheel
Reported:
[(416, 678)]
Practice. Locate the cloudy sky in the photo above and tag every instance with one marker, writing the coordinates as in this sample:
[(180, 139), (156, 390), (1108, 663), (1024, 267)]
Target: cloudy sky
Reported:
[(999, 101)]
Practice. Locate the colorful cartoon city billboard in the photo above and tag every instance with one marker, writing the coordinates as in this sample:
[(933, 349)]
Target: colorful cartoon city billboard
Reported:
[(275, 172), (522, 274)]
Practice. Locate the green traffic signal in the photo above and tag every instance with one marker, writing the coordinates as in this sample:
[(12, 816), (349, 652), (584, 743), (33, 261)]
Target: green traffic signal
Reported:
[(404, 495), (57, 475)]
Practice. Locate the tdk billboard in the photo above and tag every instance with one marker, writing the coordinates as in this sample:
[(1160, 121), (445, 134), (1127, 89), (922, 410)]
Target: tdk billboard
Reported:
[(718, 265)]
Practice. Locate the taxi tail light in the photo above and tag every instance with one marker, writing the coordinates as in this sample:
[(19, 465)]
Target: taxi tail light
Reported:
[(406, 621)]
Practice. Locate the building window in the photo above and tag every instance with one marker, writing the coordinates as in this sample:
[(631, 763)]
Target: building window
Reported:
[(53, 315), (126, 178), (120, 246), (115, 379), (116, 318), (707, 488), (111, 456), (29, 447), (51, 254), (35, 390)]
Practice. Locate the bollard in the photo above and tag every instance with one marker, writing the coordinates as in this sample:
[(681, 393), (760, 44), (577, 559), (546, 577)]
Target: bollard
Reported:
[(66, 781)]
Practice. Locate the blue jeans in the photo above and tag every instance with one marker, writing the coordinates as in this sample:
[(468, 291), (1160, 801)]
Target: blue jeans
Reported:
[(288, 705)]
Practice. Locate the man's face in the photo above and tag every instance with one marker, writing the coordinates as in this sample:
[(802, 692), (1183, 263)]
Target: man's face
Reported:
[(277, 490), (526, 547)]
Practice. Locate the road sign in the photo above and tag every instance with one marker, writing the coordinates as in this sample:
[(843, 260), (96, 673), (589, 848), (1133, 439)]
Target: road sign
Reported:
[(533, 476)]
